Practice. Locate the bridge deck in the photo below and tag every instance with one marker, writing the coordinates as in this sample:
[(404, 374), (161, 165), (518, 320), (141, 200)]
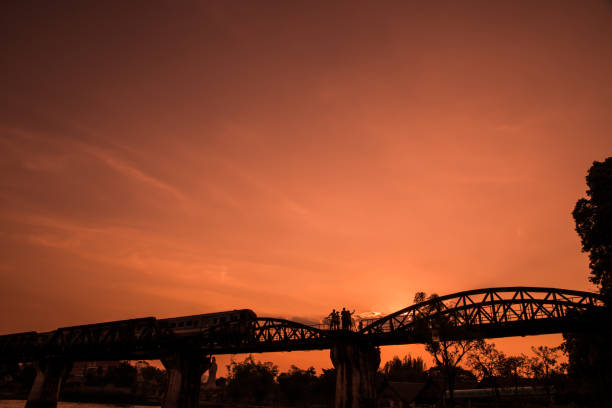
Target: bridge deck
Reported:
[(485, 313)]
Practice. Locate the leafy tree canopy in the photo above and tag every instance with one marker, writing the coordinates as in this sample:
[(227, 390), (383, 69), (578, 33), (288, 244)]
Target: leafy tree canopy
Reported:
[(447, 354), (297, 384), (593, 217), (250, 379), (486, 361), (122, 375), (406, 369)]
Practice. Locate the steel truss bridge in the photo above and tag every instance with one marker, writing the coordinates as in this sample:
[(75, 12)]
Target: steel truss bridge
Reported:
[(481, 313)]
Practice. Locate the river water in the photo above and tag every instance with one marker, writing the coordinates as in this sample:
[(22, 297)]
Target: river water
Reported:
[(21, 404)]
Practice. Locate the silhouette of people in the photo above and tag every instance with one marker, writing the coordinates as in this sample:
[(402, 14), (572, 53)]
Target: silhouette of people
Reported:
[(347, 321), (360, 326), (334, 320), (344, 317)]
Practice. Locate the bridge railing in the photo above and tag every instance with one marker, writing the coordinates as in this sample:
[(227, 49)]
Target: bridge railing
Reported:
[(354, 326)]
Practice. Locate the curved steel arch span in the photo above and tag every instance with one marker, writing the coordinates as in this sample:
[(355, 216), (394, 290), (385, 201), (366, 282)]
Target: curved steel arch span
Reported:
[(490, 312)]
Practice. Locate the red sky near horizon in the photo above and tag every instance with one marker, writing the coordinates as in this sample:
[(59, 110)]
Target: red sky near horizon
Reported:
[(164, 159)]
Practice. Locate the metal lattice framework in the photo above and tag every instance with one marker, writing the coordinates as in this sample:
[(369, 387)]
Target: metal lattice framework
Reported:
[(492, 312), (263, 334), (271, 330), (135, 338)]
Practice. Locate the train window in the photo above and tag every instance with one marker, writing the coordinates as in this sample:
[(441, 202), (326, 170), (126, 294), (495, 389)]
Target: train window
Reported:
[(222, 319), (181, 324), (215, 320), (188, 323), (172, 324), (196, 323)]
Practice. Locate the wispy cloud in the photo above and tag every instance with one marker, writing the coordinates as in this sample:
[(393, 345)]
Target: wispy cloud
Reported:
[(19, 144), (132, 248), (133, 172), (281, 198), (170, 268), (76, 147)]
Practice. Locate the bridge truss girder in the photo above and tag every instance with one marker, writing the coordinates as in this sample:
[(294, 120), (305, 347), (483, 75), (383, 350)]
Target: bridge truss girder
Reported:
[(493, 312), (489, 313)]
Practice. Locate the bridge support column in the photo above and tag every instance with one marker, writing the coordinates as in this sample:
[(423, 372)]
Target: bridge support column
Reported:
[(185, 369), (47, 383), (356, 365)]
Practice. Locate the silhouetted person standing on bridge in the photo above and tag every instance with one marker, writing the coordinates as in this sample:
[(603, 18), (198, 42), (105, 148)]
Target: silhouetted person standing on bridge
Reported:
[(346, 319), (334, 320), (331, 319)]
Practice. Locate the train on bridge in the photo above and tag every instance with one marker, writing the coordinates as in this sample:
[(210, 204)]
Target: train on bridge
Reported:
[(184, 344), (202, 322)]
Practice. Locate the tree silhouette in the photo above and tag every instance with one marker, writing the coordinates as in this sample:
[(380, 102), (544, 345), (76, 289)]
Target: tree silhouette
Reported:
[(593, 217), (487, 362), (513, 367), (251, 380), (545, 365), (589, 354), (447, 352), (122, 375), (406, 369), (297, 385)]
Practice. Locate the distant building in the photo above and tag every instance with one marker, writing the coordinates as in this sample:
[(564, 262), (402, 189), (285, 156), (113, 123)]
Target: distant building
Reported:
[(532, 394)]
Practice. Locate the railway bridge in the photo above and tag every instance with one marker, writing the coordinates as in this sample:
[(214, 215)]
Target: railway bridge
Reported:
[(480, 313)]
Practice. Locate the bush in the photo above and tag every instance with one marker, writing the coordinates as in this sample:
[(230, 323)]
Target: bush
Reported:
[(251, 380), (297, 384)]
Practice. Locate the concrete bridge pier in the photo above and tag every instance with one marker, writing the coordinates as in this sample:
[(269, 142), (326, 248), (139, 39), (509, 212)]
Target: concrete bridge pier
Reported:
[(356, 364), (185, 369), (47, 383)]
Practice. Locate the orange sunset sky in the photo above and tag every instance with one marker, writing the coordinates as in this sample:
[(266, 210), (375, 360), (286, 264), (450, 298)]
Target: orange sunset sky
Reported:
[(170, 158)]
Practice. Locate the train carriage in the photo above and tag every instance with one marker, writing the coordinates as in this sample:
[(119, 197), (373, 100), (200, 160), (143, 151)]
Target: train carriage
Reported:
[(238, 320)]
